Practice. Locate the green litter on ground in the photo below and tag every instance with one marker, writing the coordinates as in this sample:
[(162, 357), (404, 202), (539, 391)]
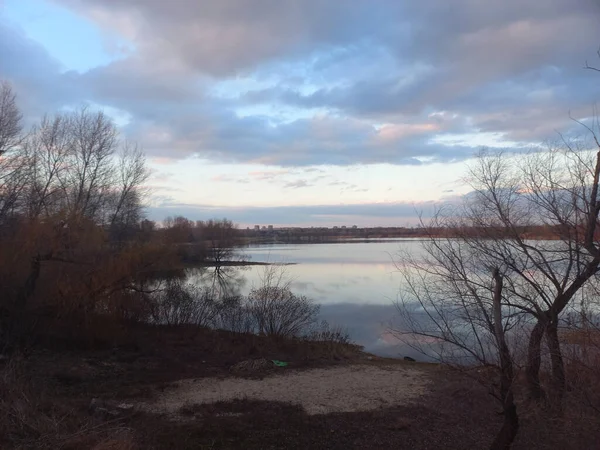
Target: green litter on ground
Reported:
[(279, 363)]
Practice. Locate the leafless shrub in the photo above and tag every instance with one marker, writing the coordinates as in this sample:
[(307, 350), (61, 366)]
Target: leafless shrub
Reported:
[(333, 334), (279, 312), (276, 310), (184, 303), (234, 315)]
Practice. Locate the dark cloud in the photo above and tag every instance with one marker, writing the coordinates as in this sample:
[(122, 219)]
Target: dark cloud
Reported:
[(230, 36), (359, 82)]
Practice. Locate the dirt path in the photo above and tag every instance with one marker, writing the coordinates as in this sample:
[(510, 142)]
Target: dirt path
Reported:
[(319, 391)]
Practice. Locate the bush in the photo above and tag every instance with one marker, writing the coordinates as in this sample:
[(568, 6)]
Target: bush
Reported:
[(330, 334), (184, 303), (234, 315), (277, 311), (272, 309)]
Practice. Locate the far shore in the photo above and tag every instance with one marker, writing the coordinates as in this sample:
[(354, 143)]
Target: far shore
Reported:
[(237, 264)]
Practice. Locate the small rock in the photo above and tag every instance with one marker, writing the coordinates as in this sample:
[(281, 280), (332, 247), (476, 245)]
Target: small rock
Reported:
[(408, 358)]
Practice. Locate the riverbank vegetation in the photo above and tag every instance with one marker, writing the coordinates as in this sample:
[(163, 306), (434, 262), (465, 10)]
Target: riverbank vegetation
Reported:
[(79, 261), (495, 299), (94, 301)]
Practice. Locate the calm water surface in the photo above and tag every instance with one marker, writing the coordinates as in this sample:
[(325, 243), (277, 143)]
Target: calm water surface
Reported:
[(356, 273), (355, 283)]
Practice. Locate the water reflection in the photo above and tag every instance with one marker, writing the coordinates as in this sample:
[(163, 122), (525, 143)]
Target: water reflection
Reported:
[(222, 281), (356, 284), (329, 283)]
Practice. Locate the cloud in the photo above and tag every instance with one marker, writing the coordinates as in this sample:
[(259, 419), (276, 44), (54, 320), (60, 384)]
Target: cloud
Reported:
[(268, 174), (229, 179), (228, 36), (38, 79), (296, 184), (314, 82), (370, 214)]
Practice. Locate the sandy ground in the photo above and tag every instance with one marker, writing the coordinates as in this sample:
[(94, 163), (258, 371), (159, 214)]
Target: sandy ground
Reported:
[(319, 391)]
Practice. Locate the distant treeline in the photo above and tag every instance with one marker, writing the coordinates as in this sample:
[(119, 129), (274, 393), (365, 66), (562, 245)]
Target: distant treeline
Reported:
[(203, 237), (336, 234)]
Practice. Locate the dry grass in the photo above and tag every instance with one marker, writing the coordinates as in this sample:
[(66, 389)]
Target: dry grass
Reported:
[(32, 417), (44, 401), (582, 365)]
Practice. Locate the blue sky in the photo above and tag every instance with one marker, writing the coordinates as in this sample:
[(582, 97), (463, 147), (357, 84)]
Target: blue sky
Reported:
[(308, 112)]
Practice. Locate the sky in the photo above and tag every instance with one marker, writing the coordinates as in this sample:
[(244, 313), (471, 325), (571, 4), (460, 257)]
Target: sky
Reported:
[(309, 112)]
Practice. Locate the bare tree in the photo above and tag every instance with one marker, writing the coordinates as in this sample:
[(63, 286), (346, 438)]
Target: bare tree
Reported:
[(508, 432), (48, 148), (10, 119), (220, 237), (595, 68), (131, 174), (454, 308), (516, 198), (13, 162), (178, 229), (77, 167), (557, 190), (94, 143)]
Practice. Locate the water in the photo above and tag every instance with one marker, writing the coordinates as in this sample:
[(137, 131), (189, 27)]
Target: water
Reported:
[(356, 284), (348, 273)]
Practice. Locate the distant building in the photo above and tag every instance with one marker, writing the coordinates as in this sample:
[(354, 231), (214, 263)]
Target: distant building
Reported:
[(354, 227), (343, 227), (270, 227), (335, 227), (264, 228), (256, 227)]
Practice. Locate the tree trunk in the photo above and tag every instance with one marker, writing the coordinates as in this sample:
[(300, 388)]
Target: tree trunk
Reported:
[(534, 361), (510, 427), (29, 286), (558, 366)]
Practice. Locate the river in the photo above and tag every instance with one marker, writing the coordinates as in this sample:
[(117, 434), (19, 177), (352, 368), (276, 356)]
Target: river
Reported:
[(356, 284)]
